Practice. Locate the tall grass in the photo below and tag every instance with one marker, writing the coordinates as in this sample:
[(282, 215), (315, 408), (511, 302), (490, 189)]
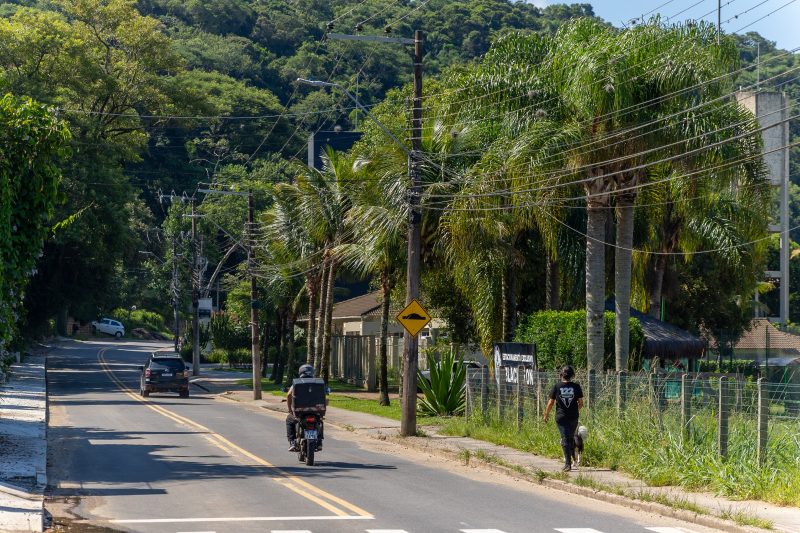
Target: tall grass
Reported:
[(648, 443)]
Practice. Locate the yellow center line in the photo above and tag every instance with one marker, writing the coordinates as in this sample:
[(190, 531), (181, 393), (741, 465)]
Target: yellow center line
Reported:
[(293, 483)]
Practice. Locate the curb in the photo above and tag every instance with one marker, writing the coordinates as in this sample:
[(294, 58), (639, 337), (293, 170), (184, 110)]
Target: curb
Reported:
[(19, 492)]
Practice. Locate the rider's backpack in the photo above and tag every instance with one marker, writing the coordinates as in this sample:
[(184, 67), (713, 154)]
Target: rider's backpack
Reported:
[(309, 396)]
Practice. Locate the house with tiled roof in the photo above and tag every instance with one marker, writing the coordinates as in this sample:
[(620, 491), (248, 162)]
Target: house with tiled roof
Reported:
[(764, 341), (362, 316)]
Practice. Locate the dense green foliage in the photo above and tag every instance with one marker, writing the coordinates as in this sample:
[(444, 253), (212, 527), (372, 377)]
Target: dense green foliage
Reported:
[(560, 338), (32, 141)]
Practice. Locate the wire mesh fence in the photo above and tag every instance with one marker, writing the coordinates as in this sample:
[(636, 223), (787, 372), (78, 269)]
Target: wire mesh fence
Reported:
[(727, 413)]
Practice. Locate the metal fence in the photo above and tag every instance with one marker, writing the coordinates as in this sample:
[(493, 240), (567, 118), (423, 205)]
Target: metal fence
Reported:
[(354, 359), (679, 404)]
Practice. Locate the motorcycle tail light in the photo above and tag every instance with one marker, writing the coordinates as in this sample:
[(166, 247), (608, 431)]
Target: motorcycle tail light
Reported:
[(147, 373), (310, 420)]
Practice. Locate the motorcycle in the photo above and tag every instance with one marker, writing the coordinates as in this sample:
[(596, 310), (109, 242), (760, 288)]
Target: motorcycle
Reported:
[(309, 409), (309, 436)]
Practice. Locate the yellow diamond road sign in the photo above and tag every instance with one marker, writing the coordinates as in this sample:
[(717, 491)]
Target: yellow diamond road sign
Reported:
[(414, 317)]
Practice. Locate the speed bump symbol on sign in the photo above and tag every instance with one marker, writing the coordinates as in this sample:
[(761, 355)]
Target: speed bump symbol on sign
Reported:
[(414, 317)]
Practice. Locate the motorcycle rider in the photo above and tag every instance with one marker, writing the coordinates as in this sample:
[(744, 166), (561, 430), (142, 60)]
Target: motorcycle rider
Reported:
[(305, 371)]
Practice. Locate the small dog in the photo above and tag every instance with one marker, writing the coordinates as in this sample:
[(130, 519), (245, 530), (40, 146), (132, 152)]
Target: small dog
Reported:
[(577, 449)]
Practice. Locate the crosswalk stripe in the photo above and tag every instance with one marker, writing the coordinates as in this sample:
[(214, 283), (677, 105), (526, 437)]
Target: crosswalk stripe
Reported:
[(669, 530), (578, 530), (481, 531), (387, 531), (290, 531)]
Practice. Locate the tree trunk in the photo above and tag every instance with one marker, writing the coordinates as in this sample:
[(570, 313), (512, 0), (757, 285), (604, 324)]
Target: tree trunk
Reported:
[(323, 308), (265, 348), (595, 282), (553, 282), (282, 352), (622, 280), (312, 289), (509, 303), (291, 370), (279, 345), (383, 373), (326, 342), (659, 271)]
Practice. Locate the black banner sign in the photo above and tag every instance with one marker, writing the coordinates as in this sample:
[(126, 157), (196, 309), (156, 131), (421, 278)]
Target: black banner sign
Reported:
[(515, 357)]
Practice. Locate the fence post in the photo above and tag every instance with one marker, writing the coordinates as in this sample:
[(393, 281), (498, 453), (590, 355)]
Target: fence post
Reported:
[(652, 385), (501, 391), (467, 398), (370, 373), (520, 397), (763, 412), (723, 413), (686, 407), (621, 392), (538, 395), (484, 391)]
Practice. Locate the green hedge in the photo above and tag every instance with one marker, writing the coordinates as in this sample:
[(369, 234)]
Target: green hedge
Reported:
[(560, 338)]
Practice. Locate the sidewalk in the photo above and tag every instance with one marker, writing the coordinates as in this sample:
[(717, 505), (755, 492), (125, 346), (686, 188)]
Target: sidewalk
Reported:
[(600, 484), (23, 446)]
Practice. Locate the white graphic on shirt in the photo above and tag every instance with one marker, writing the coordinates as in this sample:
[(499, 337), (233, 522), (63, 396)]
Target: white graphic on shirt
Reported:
[(567, 395)]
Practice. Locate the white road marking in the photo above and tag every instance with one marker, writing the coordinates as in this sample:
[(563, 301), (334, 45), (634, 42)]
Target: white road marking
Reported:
[(289, 531), (669, 530), (196, 532), (387, 531), (481, 531), (578, 530), (239, 519)]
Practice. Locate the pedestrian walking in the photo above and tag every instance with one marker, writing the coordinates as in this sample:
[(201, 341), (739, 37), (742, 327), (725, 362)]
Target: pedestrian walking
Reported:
[(567, 397)]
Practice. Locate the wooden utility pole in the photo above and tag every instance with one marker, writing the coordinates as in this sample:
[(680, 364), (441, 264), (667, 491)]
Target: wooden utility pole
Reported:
[(175, 294), (195, 299), (254, 332), (408, 420)]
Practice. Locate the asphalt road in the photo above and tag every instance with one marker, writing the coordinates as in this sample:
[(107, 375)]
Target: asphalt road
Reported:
[(119, 462)]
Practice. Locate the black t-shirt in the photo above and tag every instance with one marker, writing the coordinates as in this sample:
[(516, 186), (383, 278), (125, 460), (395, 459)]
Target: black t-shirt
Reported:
[(566, 395)]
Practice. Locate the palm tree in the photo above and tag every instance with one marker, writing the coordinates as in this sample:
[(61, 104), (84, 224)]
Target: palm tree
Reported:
[(612, 83), (378, 246), (324, 200)]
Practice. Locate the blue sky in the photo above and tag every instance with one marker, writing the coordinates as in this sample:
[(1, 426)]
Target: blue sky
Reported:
[(781, 27)]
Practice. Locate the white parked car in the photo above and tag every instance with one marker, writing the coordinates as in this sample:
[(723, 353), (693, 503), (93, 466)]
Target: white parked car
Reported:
[(108, 326)]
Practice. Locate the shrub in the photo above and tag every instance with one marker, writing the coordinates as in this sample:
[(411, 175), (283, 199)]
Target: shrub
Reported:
[(227, 334), (140, 318), (560, 338), (444, 393), (218, 356), (240, 356)]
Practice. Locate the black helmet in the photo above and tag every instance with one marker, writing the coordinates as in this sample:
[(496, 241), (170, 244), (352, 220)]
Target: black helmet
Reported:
[(306, 371), (567, 372)]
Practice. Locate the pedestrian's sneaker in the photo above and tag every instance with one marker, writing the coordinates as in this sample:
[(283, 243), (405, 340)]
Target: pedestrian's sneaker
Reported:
[(566, 468), (293, 447)]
